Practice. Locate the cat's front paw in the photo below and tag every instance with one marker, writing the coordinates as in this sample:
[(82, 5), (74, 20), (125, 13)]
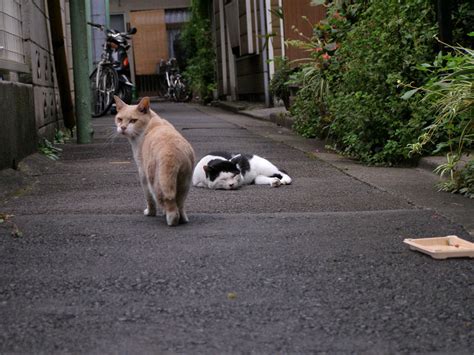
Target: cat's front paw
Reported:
[(275, 182)]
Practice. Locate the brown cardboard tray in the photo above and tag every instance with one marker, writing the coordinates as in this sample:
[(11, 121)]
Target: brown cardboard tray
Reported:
[(450, 246)]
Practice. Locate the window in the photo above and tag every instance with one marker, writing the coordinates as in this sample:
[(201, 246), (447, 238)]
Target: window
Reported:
[(117, 22), (12, 55)]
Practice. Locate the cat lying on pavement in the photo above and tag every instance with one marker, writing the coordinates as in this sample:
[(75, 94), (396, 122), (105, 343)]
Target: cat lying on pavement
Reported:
[(227, 171)]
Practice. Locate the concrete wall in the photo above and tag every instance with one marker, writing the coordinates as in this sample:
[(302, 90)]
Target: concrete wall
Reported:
[(17, 126), (30, 105), (39, 54)]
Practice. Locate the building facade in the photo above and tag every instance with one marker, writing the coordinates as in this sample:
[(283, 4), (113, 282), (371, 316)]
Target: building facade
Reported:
[(158, 25), (30, 104), (249, 35)]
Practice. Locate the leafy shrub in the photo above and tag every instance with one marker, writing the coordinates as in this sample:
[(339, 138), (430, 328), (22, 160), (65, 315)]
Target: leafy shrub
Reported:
[(279, 86), (371, 121), (450, 91), (352, 95), (463, 181), (197, 41), (310, 108)]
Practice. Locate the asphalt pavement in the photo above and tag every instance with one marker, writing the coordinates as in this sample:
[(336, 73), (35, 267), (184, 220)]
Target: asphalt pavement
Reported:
[(318, 266)]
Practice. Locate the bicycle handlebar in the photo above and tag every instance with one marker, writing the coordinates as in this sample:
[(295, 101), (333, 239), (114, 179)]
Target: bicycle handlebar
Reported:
[(132, 31), (101, 27)]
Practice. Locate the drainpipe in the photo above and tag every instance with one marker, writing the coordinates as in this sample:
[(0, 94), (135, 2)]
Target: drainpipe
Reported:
[(81, 71), (282, 29), (89, 35), (223, 47), (271, 57), (263, 35)]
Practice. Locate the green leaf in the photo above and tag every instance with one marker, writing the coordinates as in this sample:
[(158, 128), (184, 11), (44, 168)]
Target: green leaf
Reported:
[(424, 67), (278, 12), (409, 94)]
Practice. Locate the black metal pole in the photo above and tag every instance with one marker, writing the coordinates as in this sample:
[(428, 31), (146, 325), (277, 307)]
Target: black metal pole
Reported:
[(59, 49), (443, 14)]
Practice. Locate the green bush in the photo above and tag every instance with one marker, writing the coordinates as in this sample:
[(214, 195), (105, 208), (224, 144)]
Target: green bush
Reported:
[(310, 108), (279, 86), (370, 120), (449, 91), (358, 55), (197, 40), (351, 91), (463, 182)]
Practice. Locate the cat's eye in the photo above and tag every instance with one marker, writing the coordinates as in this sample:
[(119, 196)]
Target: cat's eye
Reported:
[(133, 121), (119, 119)]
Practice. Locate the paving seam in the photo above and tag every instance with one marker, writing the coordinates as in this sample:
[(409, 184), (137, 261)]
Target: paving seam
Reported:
[(245, 215)]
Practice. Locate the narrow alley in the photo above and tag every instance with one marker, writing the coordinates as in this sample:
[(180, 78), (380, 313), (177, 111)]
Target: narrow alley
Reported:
[(316, 266)]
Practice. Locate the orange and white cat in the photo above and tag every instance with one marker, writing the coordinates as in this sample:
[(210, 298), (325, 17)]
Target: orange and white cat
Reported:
[(164, 158)]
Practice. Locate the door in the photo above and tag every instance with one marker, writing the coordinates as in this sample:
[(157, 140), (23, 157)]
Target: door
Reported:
[(150, 42)]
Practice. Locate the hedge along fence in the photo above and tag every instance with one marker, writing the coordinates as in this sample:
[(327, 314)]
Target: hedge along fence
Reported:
[(360, 52), (350, 92), (199, 51)]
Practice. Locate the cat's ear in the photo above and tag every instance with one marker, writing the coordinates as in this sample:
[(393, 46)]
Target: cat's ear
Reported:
[(119, 103), (206, 169), (144, 105)]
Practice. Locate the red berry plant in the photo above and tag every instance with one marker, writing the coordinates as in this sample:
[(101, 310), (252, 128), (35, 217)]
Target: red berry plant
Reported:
[(310, 108)]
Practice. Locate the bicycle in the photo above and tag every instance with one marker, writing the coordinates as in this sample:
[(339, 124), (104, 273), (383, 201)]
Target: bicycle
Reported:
[(176, 88), (110, 78)]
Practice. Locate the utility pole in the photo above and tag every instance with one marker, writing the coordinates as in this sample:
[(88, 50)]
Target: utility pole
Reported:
[(81, 70)]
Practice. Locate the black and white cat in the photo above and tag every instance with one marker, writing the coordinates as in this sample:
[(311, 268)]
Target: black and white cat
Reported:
[(226, 171)]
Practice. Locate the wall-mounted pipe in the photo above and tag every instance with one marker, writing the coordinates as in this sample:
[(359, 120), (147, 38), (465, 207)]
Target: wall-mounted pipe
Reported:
[(264, 38)]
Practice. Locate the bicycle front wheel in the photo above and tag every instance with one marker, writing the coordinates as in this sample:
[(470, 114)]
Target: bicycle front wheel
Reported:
[(104, 83)]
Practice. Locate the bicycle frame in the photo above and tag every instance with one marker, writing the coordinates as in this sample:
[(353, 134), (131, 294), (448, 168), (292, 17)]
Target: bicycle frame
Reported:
[(110, 74), (104, 59)]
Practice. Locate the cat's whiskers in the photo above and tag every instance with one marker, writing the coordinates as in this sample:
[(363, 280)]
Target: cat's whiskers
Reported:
[(111, 137)]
